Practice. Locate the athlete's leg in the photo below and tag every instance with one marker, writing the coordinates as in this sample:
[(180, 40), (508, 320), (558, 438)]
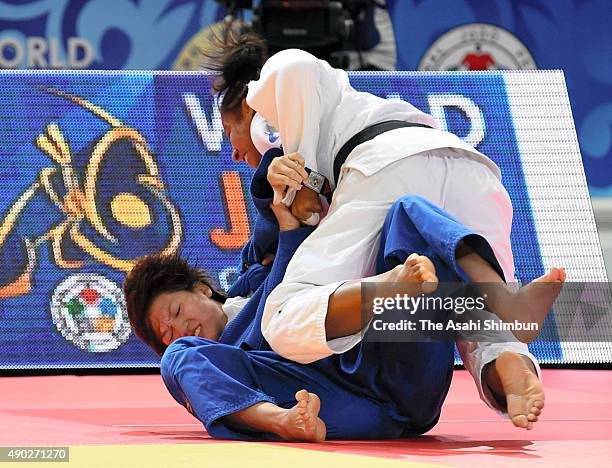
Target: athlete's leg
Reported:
[(251, 395), (529, 305), (301, 423)]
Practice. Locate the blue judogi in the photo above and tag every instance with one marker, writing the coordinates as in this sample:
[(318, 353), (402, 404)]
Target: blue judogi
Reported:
[(264, 239), (373, 391)]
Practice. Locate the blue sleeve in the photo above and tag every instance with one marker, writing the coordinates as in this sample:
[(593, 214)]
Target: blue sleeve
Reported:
[(261, 191), (251, 273), (264, 239), (288, 242), (249, 280), (246, 327)]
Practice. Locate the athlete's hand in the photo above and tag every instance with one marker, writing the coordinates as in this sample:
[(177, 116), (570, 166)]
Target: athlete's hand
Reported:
[(305, 204), (268, 259), (286, 172), (286, 221)]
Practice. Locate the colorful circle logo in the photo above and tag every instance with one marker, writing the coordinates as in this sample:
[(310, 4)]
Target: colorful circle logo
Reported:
[(89, 310)]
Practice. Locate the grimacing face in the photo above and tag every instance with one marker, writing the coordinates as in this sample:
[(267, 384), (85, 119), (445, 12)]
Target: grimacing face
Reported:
[(172, 315), (237, 127)]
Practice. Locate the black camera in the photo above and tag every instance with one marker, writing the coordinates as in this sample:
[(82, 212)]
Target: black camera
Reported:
[(325, 28)]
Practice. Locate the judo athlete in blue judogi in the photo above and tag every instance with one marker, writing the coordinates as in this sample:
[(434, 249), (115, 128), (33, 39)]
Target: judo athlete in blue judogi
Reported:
[(373, 391)]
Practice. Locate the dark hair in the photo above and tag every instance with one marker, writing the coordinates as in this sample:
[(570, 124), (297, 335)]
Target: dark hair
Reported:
[(237, 55), (153, 275)]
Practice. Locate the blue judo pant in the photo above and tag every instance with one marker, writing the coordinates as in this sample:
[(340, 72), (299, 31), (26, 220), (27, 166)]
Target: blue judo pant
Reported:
[(376, 390)]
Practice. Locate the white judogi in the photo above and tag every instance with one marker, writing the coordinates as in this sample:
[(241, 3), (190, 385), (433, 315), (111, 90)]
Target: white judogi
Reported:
[(316, 111)]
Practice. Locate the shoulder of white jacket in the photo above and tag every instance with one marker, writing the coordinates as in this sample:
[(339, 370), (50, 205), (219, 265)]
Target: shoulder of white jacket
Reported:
[(289, 54), (287, 58)]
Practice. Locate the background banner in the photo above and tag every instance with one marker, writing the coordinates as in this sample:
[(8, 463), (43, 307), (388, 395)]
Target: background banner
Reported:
[(98, 168)]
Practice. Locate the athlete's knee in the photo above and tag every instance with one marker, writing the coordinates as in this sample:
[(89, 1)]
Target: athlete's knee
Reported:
[(424, 414), (380, 425), (408, 208), (422, 425), (291, 330), (361, 420)]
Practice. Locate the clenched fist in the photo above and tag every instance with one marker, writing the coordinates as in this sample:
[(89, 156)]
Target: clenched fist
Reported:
[(286, 172)]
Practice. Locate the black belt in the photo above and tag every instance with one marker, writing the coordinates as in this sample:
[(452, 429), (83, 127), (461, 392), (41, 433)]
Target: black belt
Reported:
[(365, 135)]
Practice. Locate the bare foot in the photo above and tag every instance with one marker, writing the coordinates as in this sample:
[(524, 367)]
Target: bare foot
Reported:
[(417, 269), (524, 391), (302, 423), (531, 303)]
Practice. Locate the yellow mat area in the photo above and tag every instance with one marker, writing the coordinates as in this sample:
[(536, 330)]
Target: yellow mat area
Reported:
[(241, 455)]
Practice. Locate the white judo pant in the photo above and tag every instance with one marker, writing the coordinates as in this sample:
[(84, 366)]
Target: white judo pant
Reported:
[(345, 245)]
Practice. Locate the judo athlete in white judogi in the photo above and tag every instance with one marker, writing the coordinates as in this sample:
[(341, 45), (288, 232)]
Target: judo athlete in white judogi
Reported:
[(316, 112)]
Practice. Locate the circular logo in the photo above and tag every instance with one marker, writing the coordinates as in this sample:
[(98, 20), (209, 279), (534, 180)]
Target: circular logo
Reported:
[(477, 47), (89, 310)]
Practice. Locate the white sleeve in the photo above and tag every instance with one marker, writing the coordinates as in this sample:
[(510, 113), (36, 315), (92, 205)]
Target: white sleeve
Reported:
[(287, 94), (476, 355)]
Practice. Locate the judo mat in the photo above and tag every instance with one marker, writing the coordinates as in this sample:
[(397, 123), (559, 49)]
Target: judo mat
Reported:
[(131, 420)]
